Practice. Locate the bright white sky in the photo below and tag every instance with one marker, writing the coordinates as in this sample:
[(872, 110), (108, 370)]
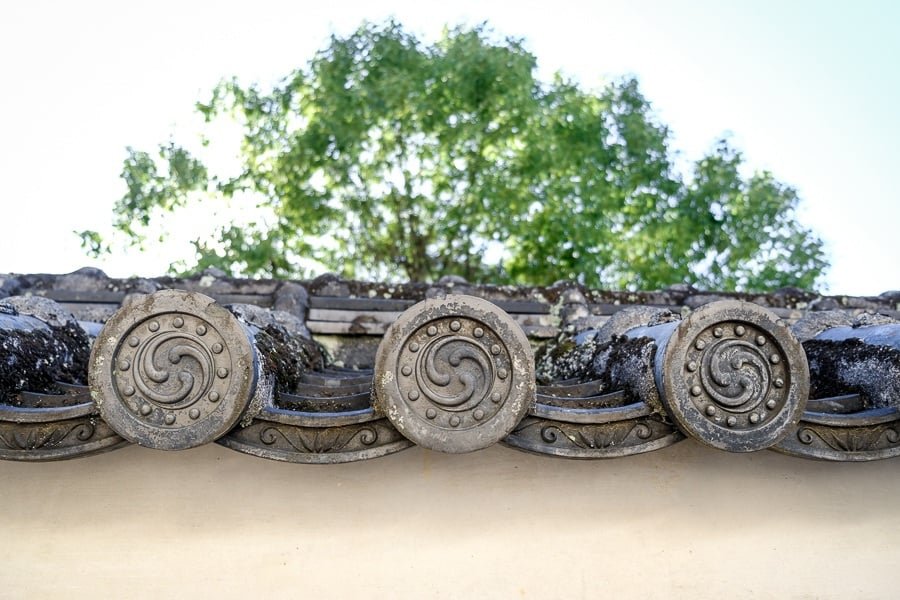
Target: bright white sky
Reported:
[(808, 90)]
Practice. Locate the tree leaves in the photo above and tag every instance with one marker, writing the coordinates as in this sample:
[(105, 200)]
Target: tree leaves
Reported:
[(387, 158)]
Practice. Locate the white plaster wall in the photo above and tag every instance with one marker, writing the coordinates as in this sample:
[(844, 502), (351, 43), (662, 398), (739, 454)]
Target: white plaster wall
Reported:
[(685, 521)]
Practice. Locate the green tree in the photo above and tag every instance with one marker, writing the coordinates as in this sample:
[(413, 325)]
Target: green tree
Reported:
[(386, 157)]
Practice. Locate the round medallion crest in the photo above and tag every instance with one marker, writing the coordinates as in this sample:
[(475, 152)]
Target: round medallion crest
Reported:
[(454, 374)]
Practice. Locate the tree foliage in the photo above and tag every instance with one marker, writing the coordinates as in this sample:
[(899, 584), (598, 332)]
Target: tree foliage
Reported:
[(388, 157)]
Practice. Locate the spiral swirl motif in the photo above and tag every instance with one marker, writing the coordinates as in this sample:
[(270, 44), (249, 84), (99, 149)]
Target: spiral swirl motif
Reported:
[(173, 372), (454, 372), (806, 435), (164, 378), (733, 376), (454, 375), (736, 375)]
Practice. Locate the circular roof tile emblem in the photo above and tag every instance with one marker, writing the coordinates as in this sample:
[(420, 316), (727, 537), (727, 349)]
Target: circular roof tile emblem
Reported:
[(734, 377), (454, 374), (172, 371)]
